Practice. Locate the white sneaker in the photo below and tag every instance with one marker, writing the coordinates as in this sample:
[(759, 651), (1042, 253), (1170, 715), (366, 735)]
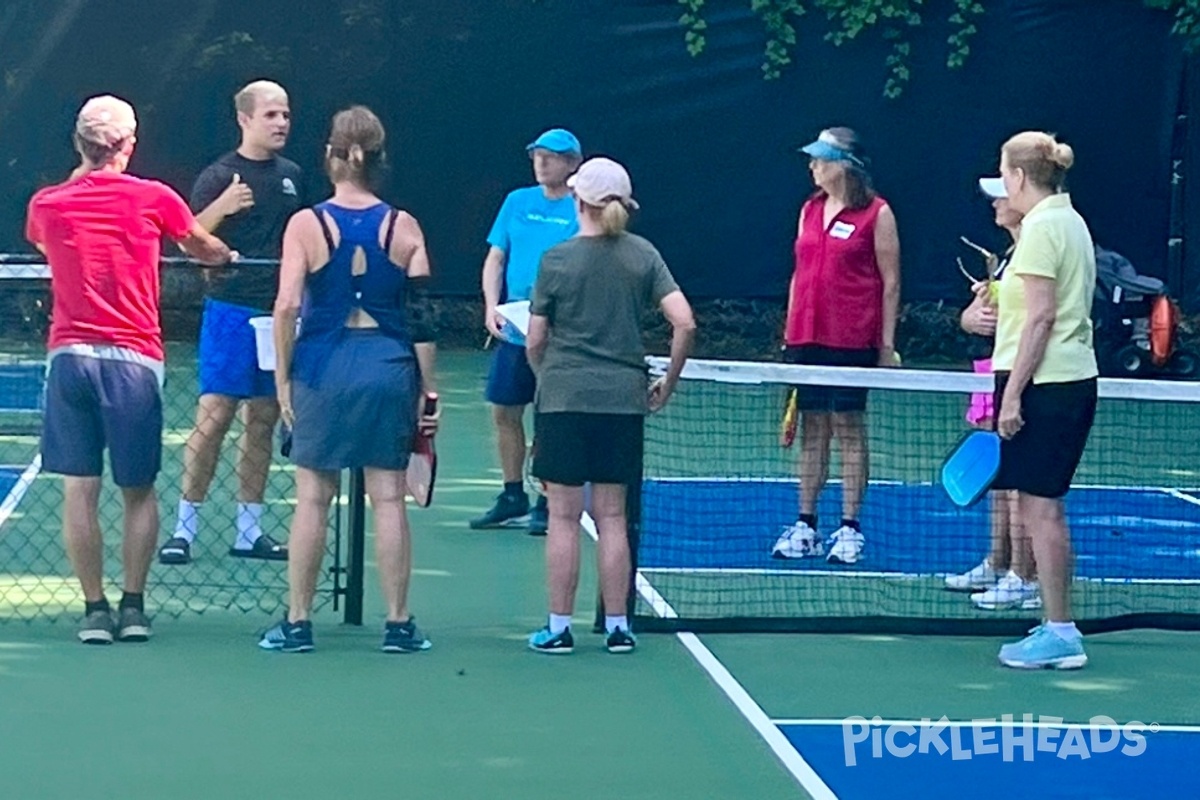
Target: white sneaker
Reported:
[(798, 541), (847, 546), (980, 577), (1010, 592)]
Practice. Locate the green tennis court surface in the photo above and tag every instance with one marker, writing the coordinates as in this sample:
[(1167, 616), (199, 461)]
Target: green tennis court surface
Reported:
[(201, 712)]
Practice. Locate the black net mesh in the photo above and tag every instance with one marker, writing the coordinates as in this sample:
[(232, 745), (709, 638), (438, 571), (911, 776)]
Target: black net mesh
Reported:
[(36, 581), (720, 488)]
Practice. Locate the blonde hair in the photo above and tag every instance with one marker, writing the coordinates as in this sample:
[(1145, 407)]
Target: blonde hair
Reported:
[(355, 147), (614, 217), (1042, 158), (246, 100)]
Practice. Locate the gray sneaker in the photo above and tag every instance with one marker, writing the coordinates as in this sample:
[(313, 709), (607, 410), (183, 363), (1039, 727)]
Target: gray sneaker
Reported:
[(133, 626), (97, 628)]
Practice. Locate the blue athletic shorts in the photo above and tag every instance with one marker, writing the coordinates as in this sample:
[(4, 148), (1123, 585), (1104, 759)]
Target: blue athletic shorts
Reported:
[(93, 403), (229, 355), (510, 379)]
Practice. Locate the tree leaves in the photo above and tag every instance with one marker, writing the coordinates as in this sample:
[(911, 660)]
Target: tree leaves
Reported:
[(849, 19)]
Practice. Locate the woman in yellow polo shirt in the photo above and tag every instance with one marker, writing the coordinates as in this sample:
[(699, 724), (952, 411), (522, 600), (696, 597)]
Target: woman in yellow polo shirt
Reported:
[(1045, 369)]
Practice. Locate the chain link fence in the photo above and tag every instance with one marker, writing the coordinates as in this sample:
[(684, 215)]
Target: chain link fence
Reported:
[(36, 580)]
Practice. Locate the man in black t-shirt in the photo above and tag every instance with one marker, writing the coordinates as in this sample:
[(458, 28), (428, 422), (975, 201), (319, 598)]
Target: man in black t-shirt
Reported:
[(246, 196)]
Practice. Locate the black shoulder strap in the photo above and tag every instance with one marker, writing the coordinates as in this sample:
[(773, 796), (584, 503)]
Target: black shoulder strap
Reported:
[(324, 229), (393, 215)]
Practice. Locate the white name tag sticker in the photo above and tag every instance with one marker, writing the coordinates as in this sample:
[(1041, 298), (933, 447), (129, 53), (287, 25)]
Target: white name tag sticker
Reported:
[(841, 230)]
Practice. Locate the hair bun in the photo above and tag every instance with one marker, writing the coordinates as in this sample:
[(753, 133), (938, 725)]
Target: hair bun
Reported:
[(1063, 155)]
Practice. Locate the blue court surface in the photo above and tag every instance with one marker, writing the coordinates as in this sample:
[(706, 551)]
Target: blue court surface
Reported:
[(715, 526), (911, 529), (21, 386), (921, 759)]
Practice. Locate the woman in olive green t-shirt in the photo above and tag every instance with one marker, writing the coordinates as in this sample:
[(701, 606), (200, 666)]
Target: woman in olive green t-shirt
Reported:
[(585, 344)]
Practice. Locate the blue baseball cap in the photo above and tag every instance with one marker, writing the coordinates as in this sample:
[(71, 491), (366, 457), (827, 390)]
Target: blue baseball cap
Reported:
[(557, 140)]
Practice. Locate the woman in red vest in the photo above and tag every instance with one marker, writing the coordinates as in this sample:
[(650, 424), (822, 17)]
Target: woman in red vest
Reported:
[(842, 309)]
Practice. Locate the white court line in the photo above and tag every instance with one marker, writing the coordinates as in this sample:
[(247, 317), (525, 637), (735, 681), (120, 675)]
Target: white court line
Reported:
[(800, 769), (745, 479), (1179, 495), (17, 492), (767, 571), (988, 722)]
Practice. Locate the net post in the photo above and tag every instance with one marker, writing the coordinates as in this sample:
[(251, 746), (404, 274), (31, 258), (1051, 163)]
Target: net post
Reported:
[(633, 527), (633, 523), (357, 512), (337, 570)]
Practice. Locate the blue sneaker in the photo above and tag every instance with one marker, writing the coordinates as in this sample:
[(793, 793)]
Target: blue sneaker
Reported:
[(539, 518), (288, 637), (544, 641), (1044, 649), (621, 641), (404, 637)]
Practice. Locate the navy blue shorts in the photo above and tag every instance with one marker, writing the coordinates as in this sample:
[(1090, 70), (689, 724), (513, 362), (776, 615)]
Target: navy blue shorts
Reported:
[(510, 379), (364, 412), (229, 355), (93, 403)]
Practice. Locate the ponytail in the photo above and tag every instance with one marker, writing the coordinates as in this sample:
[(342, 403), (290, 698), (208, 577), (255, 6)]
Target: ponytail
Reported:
[(614, 217)]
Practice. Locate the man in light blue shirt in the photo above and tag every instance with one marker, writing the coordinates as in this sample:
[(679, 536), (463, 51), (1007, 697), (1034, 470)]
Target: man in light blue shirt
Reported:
[(530, 222)]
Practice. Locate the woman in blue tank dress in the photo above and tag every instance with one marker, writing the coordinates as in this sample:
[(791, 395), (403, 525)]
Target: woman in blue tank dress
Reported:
[(350, 385)]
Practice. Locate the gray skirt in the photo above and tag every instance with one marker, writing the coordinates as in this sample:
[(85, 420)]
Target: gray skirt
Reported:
[(364, 412)]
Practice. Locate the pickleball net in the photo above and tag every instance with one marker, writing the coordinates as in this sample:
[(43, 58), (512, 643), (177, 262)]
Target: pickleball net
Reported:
[(719, 488)]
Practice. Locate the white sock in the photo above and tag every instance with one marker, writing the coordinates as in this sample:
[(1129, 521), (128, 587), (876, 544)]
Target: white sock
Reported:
[(612, 623), (248, 528), (187, 520), (1065, 630), (559, 623)]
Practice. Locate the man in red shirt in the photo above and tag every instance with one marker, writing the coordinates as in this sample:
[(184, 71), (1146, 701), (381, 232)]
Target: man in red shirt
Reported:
[(102, 234)]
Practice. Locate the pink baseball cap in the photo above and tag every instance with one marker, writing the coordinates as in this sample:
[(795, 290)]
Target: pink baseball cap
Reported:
[(601, 180)]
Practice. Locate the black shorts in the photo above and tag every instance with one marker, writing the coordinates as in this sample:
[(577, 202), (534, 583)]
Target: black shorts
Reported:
[(837, 399), (1042, 458), (572, 448)]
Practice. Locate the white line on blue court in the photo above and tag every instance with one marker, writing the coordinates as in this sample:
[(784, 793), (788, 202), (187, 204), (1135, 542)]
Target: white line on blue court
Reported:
[(988, 721), (1178, 494), (822, 573), (1173, 492), (800, 769), (17, 493)]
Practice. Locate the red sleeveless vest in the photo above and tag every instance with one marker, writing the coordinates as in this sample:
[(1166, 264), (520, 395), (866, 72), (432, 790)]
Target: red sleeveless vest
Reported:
[(837, 291)]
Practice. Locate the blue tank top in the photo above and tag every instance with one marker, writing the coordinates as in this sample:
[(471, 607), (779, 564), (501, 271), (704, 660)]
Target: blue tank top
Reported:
[(359, 275)]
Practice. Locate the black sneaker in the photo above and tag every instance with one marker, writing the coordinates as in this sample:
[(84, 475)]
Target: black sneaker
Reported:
[(543, 641), (264, 548), (507, 507), (133, 626), (621, 641), (97, 628), (539, 518), (289, 637), (404, 637), (177, 550)]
